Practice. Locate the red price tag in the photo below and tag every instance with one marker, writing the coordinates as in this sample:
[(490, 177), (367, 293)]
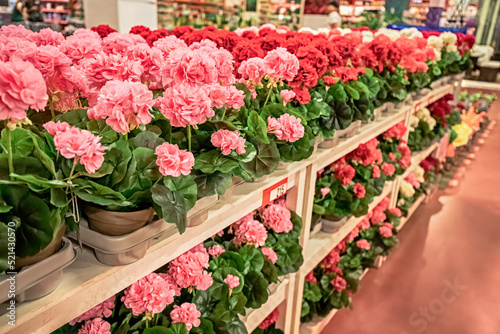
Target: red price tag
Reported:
[(417, 105), (430, 100), (275, 191)]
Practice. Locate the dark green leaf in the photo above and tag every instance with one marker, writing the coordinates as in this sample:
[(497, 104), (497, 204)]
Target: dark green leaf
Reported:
[(257, 127), (213, 161), (170, 206)]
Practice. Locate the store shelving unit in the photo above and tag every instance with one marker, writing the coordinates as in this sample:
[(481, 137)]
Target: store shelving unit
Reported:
[(56, 11), (411, 211), (87, 282)]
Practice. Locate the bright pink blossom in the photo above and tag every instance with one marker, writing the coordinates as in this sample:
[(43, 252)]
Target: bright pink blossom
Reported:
[(287, 127), (352, 235), (174, 161), (363, 244), (251, 232), (228, 140), (151, 293), (311, 278), (281, 64), (412, 179), (186, 313), (53, 128), (168, 44), (391, 156), (287, 95), (188, 269), (388, 169), (104, 309), (96, 326), (345, 174), (22, 87), (119, 43), (233, 282), (277, 218), (77, 48), (270, 254), (187, 66), (124, 105), (47, 36), (216, 250), (324, 191), (386, 230), (359, 190), (339, 284), (230, 96), (14, 30), (364, 224), (395, 211), (185, 105), (378, 216), (252, 69), (270, 319), (151, 60), (375, 171)]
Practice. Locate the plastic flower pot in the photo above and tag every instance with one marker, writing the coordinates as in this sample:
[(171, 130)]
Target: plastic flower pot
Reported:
[(423, 92), (117, 223), (228, 194), (283, 165), (389, 107), (329, 142), (259, 179), (377, 113), (51, 248), (317, 227), (199, 212), (318, 140), (436, 84), (354, 128), (332, 224), (40, 279)]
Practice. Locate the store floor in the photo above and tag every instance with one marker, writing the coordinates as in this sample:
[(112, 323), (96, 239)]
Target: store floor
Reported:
[(444, 277)]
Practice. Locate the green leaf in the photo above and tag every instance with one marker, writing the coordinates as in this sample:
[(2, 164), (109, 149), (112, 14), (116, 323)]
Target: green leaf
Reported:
[(257, 127), (101, 129), (213, 161), (158, 330), (340, 117), (21, 142), (300, 149), (170, 206), (96, 193), (219, 289), (205, 327), (39, 184), (210, 184), (147, 139), (353, 93), (233, 326), (118, 156), (142, 172), (255, 289), (305, 309), (42, 154), (204, 302), (270, 271), (338, 92), (76, 117), (362, 88), (312, 292), (266, 161), (254, 259), (58, 197), (250, 153), (184, 185)]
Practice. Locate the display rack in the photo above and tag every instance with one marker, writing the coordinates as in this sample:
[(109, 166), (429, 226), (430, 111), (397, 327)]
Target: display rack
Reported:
[(88, 282), (56, 11)]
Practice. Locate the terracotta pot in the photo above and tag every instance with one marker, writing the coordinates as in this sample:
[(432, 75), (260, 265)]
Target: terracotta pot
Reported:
[(117, 223), (51, 249)]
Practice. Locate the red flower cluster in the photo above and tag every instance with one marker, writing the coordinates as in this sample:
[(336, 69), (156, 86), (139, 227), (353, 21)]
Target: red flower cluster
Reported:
[(441, 108), (103, 30), (367, 154), (397, 131), (149, 35), (465, 42), (429, 163)]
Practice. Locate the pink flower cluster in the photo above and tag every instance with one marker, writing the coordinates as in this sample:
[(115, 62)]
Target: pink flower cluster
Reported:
[(186, 313), (339, 284), (311, 278), (174, 161), (359, 190), (188, 270), (363, 244), (250, 231), (412, 179), (270, 319), (80, 145), (96, 326), (216, 250), (386, 230), (104, 309), (228, 140), (233, 282), (149, 294), (270, 254), (286, 127), (277, 218)]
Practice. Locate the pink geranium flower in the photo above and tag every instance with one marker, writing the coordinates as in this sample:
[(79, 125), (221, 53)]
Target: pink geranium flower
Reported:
[(252, 69), (412, 179), (186, 313), (287, 95), (270, 319), (168, 44), (251, 232), (216, 250), (375, 171), (277, 218), (388, 169), (287, 127), (363, 244), (386, 230), (78, 48), (228, 140), (22, 87), (96, 326), (232, 282), (339, 284), (352, 235), (364, 224), (124, 105), (53, 128), (188, 269), (185, 105), (47, 36), (395, 211), (270, 254), (281, 64), (345, 173), (186, 66), (151, 293), (117, 43), (104, 309), (151, 60), (359, 190), (310, 277), (378, 216), (324, 191), (173, 161)]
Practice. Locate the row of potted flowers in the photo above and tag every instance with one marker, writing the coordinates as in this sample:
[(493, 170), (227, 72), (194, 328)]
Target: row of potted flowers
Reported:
[(125, 127), (208, 288)]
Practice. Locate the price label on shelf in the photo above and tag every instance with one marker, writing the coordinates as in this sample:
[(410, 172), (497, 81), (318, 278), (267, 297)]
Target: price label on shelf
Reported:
[(430, 99), (417, 106), (275, 191)]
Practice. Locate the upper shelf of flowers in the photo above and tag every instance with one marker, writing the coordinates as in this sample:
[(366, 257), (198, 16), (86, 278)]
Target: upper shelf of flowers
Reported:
[(112, 133)]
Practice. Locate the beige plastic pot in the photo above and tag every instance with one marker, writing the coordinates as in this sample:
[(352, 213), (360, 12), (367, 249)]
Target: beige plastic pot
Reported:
[(51, 249), (117, 223)]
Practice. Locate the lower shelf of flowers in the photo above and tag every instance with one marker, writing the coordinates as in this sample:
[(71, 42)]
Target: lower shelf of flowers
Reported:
[(278, 293), (411, 211), (433, 96), (417, 157), (87, 282), (322, 243)]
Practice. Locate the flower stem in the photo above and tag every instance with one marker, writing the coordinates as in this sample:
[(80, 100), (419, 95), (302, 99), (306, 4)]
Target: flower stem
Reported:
[(224, 113), (72, 169), (9, 151), (268, 95), (189, 137), (51, 105)]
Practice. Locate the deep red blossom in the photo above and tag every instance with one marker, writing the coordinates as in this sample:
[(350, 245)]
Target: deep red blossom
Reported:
[(345, 173), (182, 30), (103, 30), (302, 95)]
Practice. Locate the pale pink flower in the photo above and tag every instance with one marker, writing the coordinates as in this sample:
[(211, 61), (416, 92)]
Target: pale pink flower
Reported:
[(9, 45), (252, 69), (22, 87), (236, 98), (270, 319), (232, 282), (270, 254), (93, 159), (230, 96), (96, 326), (228, 140), (281, 64), (386, 230), (311, 278), (287, 127), (47, 36), (216, 250), (78, 48), (395, 211), (378, 216), (14, 30), (412, 179), (186, 313), (247, 217), (53, 128), (324, 191), (188, 269), (124, 105), (104, 309), (188, 66), (151, 293), (339, 284), (85, 33), (169, 44), (204, 45), (277, 218), (287, 95), (185, 105), (174, 161), (151, 60), (170, 280), (251, 232), (224, 64), (331, 260), (117, 43), (363, 244), (364, 224)]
